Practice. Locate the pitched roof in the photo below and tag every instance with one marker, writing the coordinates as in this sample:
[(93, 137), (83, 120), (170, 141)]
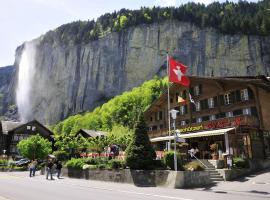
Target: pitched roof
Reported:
[(93, 133), (9, 125)]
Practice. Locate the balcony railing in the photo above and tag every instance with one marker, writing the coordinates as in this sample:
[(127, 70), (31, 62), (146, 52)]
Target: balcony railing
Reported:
[(236, 121)]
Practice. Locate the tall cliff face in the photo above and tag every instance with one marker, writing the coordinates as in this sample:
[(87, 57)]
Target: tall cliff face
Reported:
[(72, 78), (6, 88)]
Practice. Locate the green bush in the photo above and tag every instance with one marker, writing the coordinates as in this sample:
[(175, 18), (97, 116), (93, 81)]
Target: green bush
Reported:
[(116, 164), (75, 163), (3, 162), (86, 166), (159, 164), (193, 166), (92, 161), (102, 166), (240, 163), (61, 155), (169, 160)]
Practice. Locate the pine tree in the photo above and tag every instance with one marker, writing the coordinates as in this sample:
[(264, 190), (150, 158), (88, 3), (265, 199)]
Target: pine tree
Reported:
[(140, 153)]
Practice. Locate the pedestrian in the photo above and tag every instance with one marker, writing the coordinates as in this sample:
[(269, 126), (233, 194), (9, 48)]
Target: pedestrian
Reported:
[(31, 168), (49, 168), (34, 166), (58, 168)]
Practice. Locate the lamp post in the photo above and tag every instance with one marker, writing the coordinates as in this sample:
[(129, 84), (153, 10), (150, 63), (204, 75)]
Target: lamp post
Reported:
[(173, 115)]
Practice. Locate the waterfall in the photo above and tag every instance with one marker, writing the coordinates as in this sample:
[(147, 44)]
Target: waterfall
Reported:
[(25, 81)]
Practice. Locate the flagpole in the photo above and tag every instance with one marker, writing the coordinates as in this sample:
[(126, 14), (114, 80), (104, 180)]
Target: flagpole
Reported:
[(169, 119)]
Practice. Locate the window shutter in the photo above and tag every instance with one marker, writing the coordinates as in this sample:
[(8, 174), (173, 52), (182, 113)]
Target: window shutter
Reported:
[(232, 97), (250, 94), (200, 89), (237, 96), (186, 111), (221, 99), (215, 101)]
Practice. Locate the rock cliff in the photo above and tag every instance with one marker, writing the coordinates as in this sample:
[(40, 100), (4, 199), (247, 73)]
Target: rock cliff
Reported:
[(6, 88), (72, 78)]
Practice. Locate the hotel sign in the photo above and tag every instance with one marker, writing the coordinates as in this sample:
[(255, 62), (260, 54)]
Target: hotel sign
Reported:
[(222, 123)]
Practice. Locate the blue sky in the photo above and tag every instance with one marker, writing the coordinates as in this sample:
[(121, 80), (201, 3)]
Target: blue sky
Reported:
[(23, 20)]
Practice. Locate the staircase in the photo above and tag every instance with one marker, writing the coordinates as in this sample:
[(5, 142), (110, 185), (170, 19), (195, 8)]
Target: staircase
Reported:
[(214, 175)]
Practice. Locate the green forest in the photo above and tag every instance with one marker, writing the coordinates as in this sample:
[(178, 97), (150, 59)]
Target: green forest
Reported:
[(229, 18), (123, 110)]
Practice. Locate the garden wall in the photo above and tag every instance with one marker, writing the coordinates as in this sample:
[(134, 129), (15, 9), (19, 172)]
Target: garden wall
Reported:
[(154, 178)]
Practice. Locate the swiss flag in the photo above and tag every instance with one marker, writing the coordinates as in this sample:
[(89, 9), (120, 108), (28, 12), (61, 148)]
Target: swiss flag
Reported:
[(178, 73)]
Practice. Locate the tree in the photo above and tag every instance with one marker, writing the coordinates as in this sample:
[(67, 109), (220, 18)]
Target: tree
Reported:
[(35, 147), (140, 153)]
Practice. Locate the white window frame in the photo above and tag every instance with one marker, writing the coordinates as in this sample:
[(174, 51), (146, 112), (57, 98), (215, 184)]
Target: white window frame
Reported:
[(211, 103), (196, 90), (198, 106), (182, 110), (229, 114), (244, 95), (246, 111), (183, 123), (199, 120), (227, 98), (212, 117)]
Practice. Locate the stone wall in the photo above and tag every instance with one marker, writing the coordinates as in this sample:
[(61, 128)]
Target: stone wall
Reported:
[(154, 178)]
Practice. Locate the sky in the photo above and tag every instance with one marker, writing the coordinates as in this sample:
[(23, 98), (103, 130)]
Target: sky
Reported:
[(24, 20)]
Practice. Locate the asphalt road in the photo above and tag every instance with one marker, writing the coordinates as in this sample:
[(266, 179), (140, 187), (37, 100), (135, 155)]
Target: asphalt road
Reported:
[(18, 186)]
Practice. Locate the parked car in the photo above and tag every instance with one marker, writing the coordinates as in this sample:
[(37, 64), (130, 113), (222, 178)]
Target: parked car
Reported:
[(21, 162)]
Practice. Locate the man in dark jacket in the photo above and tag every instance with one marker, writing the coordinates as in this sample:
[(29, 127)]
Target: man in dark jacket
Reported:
[(58, 168), (49, 168)]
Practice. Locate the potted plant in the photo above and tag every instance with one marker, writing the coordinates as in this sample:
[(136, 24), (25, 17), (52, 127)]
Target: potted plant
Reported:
[(214, 148)]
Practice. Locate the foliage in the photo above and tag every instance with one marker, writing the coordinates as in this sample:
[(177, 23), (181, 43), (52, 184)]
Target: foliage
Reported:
[(240, 162), (169, 160), (3, 162), (75, 163), (140, 153), (61, 155), (120, 135), (117, 117), (228, 17), (116, 164), (193, 166), (34, 147)]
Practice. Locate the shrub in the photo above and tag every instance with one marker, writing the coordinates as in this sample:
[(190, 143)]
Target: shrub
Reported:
[(61, 155), (116, 164), (140, 153), (91, 161), (240, 162), (3, 162), (102, 166), (169, 160), (193, 166), (159, 164), (75, 163), (89, 166)]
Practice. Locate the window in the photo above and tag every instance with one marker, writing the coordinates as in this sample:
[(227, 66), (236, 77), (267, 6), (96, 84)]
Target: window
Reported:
[(182, 110), (161, 126), (183, 123), (244, 95), (221, 115), (205, 118), (151, 119), (227, 98), (199, 120), (204, 104), (198, 105), (254, 111), (237, 112), (160, 115), (212, 117), (196, 90), (229, 114), (150, 128), (246, 111), (211, 103)]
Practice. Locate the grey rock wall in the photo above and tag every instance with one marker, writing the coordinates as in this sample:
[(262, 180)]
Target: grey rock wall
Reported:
[(74, 78)]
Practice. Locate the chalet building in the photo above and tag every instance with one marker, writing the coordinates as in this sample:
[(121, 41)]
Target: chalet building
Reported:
[(232, 112), (13, 132)]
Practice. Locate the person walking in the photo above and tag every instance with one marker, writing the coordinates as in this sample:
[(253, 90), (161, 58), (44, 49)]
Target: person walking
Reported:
[(49, 169), (31, 168), (58, 168)]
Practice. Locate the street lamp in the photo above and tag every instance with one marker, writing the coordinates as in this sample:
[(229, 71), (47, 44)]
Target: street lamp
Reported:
[(173, 115)]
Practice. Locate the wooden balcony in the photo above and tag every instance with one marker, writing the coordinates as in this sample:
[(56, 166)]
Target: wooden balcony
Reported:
[(236, 121)]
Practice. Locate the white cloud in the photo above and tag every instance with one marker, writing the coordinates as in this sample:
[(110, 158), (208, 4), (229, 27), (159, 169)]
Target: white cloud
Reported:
[(166, 2)]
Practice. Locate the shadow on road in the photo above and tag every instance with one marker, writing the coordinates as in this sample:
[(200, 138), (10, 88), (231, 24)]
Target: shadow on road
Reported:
[(259, 192)]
